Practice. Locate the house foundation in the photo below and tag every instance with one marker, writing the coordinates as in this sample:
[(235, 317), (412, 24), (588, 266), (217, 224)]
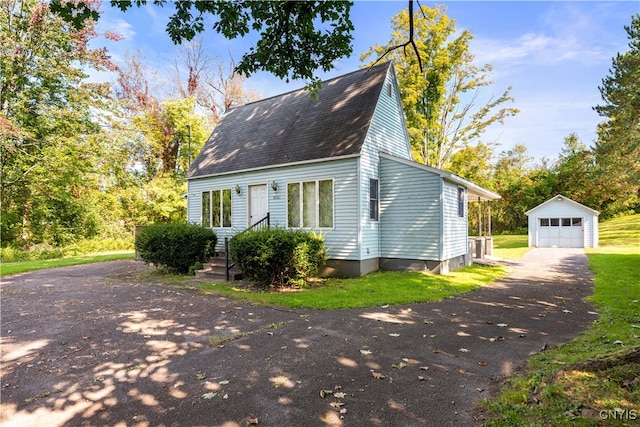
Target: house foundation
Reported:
[(348, 268)]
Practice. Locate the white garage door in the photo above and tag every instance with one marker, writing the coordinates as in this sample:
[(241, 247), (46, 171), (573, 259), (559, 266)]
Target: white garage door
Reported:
[(560, 233)]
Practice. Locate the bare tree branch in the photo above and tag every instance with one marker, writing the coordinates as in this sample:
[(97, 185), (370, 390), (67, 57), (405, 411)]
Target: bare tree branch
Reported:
[(403, 46)]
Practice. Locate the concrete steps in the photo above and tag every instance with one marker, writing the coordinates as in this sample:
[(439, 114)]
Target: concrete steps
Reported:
[(215, 269)]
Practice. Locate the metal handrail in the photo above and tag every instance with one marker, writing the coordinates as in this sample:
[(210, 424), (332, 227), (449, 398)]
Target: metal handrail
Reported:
[(264, 222)]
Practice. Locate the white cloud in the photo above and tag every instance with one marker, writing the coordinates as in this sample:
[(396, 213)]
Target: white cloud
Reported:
[(491, 50), (542, 125), (122, 27), (537, 49)]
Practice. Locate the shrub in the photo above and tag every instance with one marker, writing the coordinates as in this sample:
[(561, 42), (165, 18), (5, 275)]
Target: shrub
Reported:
[(278, 256), (176, 246), (195, 267), (44, 251), (97, 245), (41, 251), (11, 254)]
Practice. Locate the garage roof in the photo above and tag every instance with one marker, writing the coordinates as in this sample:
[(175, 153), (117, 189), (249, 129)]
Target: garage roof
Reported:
[(559, 198)]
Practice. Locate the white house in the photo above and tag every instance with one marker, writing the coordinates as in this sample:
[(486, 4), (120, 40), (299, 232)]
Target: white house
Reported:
[(563, 223), (340, 164)]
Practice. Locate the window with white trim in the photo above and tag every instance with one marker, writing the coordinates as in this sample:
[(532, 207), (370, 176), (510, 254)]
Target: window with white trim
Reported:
[(557, 222), (374, 198), (461, 202), (310, 204), (216, 208)]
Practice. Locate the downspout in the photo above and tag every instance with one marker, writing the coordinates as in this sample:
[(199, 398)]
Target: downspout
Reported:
[(359, 221), (441, 249), (379, 210)]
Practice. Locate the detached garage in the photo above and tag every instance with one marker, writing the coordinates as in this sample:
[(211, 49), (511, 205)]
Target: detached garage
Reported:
[(562, 223)]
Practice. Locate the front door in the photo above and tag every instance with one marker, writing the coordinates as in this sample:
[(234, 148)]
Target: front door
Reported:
[(258, 203)]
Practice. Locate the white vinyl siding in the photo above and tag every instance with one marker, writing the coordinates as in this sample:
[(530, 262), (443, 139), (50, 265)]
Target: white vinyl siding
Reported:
[(455, 228), (387, 133), (341, 239), (409, 212)]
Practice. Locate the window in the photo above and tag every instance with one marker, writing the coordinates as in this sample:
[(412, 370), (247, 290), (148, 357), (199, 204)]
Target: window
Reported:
[(206, 209), (461, 202), (216, 208), (374, 197), (226, 207), (565, 222), (293, 204), (310, 204), (325, 205)]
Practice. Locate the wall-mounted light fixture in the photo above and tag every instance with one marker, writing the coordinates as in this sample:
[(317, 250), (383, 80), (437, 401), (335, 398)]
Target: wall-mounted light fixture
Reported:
[(238, 190), (274, 186)]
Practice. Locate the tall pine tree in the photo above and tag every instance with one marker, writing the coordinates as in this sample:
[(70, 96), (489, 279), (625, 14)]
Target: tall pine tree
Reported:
[(618, 147)]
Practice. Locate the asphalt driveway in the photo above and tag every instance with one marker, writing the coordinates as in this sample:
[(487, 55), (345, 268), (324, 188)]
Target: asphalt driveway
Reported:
[(101, 345)]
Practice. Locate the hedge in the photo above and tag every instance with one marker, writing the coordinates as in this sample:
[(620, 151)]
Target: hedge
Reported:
[(176, 246), (277, 256)]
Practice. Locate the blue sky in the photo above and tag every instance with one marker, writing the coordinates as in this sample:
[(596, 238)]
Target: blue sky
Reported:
[(553, 54)]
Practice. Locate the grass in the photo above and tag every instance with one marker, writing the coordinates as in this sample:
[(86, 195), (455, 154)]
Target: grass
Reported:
[(510, 246), (372, 290), (596, 376), (24, 266), (622, 231)]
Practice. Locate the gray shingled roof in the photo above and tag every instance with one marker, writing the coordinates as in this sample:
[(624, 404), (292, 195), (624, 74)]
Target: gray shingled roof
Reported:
[(293, 127)]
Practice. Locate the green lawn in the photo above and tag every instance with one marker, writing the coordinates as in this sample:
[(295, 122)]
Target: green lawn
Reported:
[(510, 246), (623, 231), (24, 266), (372, 290), (573, 384)]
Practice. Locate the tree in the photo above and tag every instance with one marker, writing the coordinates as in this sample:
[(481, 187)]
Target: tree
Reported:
[(440, 85), (215, 86), (575, 173), (289, 45), (618, 146), (167, 129), (48, 120), (474, 164), (512, 182)]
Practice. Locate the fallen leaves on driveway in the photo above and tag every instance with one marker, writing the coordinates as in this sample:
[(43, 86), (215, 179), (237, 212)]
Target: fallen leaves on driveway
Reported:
[(378, 375)]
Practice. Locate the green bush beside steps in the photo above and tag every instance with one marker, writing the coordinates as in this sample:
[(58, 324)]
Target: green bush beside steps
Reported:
[(175, 246), (278, 256)]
